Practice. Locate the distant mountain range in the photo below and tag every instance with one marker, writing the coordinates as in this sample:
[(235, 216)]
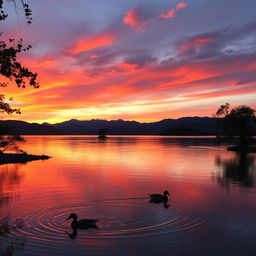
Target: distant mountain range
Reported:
[(181, 126)]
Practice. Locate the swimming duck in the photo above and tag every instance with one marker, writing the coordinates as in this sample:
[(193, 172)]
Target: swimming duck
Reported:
[(158, 198), (82, 224)]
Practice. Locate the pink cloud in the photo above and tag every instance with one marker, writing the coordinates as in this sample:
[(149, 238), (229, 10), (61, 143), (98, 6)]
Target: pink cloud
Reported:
[(138, 18), (127, 66), (132, 18), (171, 13), (181, 5), (195, 42), (96, 41), (167, 15), (94, 57)]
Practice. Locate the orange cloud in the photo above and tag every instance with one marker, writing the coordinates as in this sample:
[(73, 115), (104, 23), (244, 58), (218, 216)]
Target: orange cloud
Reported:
[(88, 44), (181, 5), (168, 14)]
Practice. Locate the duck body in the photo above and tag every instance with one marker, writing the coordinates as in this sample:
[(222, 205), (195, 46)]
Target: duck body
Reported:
[(87, 223), (83, 223), (158, 198)]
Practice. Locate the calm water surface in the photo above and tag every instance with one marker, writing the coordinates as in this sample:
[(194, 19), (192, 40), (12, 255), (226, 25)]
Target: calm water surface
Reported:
[(212, 210)]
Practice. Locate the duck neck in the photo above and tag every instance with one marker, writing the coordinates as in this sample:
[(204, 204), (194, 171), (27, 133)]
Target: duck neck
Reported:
[(165, 197), (74, 223)]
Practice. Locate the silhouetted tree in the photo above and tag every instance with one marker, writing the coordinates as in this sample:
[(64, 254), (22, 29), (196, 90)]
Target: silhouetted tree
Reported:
[(237, 122), (13, 70), (7, 138)]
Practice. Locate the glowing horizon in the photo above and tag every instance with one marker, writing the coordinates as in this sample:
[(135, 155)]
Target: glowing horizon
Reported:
[(141, 60)]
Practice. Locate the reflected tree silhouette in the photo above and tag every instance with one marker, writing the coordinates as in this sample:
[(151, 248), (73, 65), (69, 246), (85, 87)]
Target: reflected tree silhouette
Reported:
[(10, 176), (241, 170)]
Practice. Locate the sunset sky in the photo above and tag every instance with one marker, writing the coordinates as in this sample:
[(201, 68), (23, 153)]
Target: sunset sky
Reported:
[(142, 60)]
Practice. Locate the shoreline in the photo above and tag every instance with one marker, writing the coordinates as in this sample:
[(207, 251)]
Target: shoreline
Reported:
[(10, 158)]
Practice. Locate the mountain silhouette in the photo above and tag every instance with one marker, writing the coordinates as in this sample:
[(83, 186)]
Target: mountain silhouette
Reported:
[(181, 126)]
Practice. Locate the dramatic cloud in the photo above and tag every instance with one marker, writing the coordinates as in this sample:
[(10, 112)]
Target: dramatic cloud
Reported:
[(92, 64)]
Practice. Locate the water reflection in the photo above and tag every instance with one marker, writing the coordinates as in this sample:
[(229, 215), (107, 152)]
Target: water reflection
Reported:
[(165, 202), (73, 235), (109, 180), (240, 169), (10, 177), (10, 246), (188, 141)]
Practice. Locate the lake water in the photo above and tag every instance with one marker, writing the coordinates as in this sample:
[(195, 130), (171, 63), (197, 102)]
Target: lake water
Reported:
[(211, 211)]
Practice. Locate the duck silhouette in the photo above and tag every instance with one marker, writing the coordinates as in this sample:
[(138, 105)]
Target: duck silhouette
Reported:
[(83, 223), (158, 198)]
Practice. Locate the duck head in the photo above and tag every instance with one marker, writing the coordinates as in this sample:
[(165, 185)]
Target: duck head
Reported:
[(72, 216), (166, 193)]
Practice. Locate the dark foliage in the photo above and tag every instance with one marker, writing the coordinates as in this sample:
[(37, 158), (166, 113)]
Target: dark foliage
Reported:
[(10, 68), (25, 6), (6, 108), (9, 139)]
